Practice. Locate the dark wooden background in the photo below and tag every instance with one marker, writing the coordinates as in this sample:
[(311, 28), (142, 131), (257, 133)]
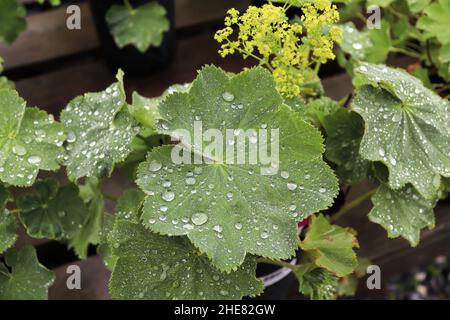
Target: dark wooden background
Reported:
[(51, 65)]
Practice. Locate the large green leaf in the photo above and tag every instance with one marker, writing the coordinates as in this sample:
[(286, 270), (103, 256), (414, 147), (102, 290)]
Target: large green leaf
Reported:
[(229, 209), (30, 140), (344, 133), (402, 212), (12, 17), (99, 131), (407, 127), (52, 212), (331, 246), (436, 22), (315, 282), (8, 224), (151, 266), (27, 280), (142, 27), (90, 232)]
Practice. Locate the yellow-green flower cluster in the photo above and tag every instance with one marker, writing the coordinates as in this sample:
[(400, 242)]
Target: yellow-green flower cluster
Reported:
[(288, 49)]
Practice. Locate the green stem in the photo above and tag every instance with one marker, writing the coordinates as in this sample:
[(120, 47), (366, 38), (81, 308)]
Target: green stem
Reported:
[(129, 7), (353, 204), (406, 52), (14, 211), (276, 263)]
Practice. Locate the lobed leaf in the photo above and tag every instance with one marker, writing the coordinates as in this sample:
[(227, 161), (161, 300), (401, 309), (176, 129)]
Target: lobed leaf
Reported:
[(315, 282), (183, 273), (142, 27), (407, 127), (12, 16), (331, 246), (52, 212), (27, 280)]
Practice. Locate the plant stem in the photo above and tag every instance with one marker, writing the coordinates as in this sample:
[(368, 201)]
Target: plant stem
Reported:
[(276, 263), (14, 211), (352, 205), (129, 7)]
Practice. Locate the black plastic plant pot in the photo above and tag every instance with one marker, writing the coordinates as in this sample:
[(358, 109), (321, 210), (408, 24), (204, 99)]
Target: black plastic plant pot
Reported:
[(129, 58)]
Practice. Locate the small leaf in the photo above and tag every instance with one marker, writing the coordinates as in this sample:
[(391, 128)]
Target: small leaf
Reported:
[(379, 3), (142, 27), (225, 208), (371, 45), (105, 249), (28, 280), (30, 140), (331, 246), (52, 212), (183, 273), (145, 110), (402, 212), (315, 282), (407, 127), (99, 132), (8, 223), (344, 133), (12, 16)]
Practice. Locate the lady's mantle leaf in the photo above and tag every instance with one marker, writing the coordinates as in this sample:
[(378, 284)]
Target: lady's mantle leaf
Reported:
[(402, 212), (331, 246), (142, 27), (229, 209), (436, 22), (145, 110), (99, 133), (12, 16), (407, 127), (151, 266), (8, 223), (129, 205), (52, 212), (28, 279), (315, 282), (30, 140), (344, 133)]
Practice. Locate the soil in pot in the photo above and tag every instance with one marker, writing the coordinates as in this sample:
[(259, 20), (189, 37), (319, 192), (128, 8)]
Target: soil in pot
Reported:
[(129, 58)]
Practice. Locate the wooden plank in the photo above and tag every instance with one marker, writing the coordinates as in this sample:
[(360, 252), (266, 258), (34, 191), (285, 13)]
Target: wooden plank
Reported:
[(47, 36), (94, 281), (52, 91)]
